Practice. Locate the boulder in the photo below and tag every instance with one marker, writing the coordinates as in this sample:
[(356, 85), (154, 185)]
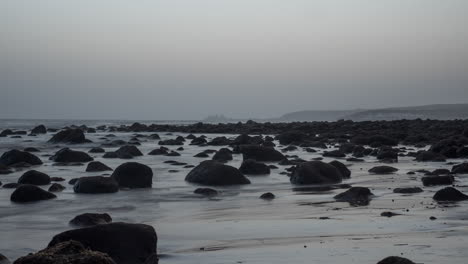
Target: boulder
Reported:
[(34, 177), (56, 187), (437, 180), (125, 243), (356, 196), (260, 153), (133, 175), (223, 155), (96, 184), (267, 196), (395, 260), (68, 252), (30, 193), (96, 166), (159, 151), (345, 172), (211, 172), (334, 154), (72, 136), (295, 137), (253, 167), (460, 168), (68, 155), (408, 190), (17, 156), (206, 191), (315, 172), (40, 129), (429, 156), (449, 194), (171, 142), (383, 170), (96, 150), (91, 219), (128, 151)]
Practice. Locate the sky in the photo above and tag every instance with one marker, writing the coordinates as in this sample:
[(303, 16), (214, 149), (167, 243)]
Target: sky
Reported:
[(187, 59)]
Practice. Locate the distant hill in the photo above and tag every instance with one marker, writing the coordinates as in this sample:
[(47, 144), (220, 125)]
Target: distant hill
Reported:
[(436, 111)]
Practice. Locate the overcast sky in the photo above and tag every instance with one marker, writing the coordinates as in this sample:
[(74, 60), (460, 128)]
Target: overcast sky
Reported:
[(186, 59)]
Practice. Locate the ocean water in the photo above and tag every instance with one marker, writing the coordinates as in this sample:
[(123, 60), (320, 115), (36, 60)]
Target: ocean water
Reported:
[(299, 226)]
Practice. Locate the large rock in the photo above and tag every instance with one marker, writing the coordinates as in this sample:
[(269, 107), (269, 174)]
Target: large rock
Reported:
[(223, 155), (73, 136), (356, 196), (345, 172), (68, 252), (334, 154), (449, 194), (315, 172), (68, 155), (260, 153), (429, 156), (292, 137), (383, 170), (460, 168), (34, 177), (253, 167), (215, 173), (395, 260), (408, 190), (91, 219), (124, 243), (40, 129), (133, 175), (15, 156), (96, 184), (30, 193), (96, 166), (128, 152), (437, 180)]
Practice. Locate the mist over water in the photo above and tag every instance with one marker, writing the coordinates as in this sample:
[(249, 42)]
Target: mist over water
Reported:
[(185, 60)]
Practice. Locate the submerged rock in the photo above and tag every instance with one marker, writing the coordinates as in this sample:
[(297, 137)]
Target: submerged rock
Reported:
[(96, 166), (56, 187), (91, 219), (315, 172), (15, 156), (133, 175), (95, 184), (253, 167), (68, 252), (30, 193), (449, 194), (125, 243), (40, 129), (408, 190), (395, 260), (211, 172), (267, 196), (68, 155), (34, 177), (356, 196), (383, 170), (73, 136), (206, 191), (437, 180)]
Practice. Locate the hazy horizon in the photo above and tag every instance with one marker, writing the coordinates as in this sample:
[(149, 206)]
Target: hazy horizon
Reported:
[(186, 60)]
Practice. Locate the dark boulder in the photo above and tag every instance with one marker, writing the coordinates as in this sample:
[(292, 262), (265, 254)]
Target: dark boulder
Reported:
[(133, 175), (356, 196), (219, 141), (211, 172), (96, 150), (460, 168), (96, 184), (437, 180), (206, 191), (68, 155), (223, 155), (395, 260), (267, 196), (376, 139), (449, 194), (429, 156), (68, 252), (56, 187), (40, 129), (334, 154), (171, 142), (125, 243), (91, 219), (387, 154), (159, 151), (260, 153), (315, 172), (383, 170), (96, 166), (17, 156), (408, 190), (253, 167), (34, 177), (31, 149), (128, 151), (345, 172), (202, 155), (30, 193), (291, 137), (198, 141), (73, 136)]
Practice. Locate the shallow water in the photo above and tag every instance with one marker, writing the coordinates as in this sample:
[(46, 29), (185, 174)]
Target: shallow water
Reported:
[(238, 227)]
